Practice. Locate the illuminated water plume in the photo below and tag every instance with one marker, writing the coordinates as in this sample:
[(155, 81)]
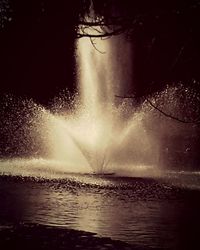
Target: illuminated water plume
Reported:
[(100, 133), (105, 132)]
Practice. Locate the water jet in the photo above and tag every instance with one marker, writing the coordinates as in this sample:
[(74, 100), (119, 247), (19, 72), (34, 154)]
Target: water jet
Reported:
[(99, 133)]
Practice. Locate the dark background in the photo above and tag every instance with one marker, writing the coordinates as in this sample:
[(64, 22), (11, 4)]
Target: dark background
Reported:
[(37, 45), (37, 49)]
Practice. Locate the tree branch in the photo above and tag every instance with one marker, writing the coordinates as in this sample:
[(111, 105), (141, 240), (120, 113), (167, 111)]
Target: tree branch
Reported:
[(162, 112), (115, 26), (105, 34), (94, 45), (171, 116)]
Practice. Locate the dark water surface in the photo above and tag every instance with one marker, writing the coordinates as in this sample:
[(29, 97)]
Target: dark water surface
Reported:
[(140, 211)]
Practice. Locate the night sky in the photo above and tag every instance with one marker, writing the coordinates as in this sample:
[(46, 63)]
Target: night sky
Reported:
[(37, 50), (37, 45)]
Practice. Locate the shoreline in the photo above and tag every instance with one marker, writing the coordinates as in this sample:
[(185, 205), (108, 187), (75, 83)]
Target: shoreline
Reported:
[(41, 237)]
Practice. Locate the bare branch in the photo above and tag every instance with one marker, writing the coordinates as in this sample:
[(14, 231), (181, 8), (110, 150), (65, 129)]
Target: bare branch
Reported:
[(105, 34), (125, 97), (105, 28), (162, 112), (171, 116), (94, 45), (114, 21)]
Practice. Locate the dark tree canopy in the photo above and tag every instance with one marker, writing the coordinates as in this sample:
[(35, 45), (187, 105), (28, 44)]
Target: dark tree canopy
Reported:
[(38, 37), (166, 34)]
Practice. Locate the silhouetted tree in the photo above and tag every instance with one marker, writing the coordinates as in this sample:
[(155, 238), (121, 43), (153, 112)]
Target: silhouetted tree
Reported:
[(166, 32)]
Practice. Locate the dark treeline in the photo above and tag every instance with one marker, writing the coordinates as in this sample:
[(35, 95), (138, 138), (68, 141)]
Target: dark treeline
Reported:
[(37, 44)]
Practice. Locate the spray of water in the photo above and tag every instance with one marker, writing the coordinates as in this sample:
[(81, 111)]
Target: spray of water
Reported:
[(100, 134)]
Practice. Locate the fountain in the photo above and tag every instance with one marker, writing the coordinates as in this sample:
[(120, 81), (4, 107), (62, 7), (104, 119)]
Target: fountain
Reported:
[(102, 133), (94, 164)]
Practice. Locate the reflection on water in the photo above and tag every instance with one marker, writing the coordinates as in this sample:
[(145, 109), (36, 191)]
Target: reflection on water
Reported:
[(140, 211)]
